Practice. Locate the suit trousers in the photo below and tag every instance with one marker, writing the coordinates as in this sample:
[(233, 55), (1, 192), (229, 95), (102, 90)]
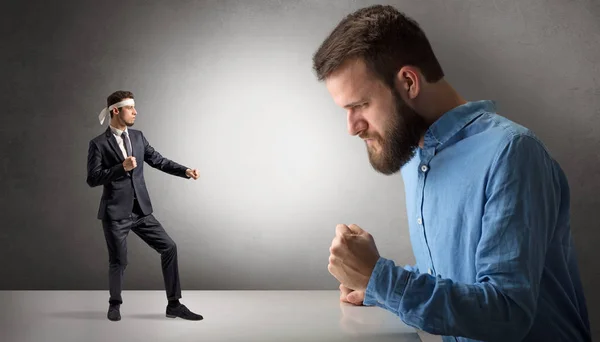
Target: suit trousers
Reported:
[(151, 231)]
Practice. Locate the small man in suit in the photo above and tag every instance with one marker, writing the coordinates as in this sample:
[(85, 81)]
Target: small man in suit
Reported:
[(125, 204)]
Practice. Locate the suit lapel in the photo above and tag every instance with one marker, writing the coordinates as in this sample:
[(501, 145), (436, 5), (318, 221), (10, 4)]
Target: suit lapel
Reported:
[(113, 143), (131, 141)]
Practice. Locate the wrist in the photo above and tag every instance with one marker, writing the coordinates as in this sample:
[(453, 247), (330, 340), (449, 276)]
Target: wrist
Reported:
[(371, 271), (371, 290)]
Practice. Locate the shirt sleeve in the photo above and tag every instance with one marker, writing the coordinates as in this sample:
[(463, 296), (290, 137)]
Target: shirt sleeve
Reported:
[(523, 199), (412, 268)]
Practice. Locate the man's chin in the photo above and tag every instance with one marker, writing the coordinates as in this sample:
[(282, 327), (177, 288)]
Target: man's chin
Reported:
[(382, 166), (387, 171)]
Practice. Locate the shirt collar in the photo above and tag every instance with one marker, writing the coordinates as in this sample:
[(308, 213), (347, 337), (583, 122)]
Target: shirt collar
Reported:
[(117, 131), (455, 120)]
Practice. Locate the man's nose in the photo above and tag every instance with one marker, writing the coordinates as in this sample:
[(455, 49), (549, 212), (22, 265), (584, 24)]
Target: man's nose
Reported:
[(356, 124)]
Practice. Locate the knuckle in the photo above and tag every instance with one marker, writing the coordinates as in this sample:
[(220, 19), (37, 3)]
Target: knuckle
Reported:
[(335, 249)]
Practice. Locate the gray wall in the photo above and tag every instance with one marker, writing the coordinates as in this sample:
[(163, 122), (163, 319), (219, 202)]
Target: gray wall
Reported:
[(227, 87)]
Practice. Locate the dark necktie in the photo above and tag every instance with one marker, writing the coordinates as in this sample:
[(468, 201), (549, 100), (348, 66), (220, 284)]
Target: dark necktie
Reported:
[(128, 149), (127, 145)]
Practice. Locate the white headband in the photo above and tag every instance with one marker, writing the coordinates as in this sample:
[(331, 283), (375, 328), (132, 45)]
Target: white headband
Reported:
[(105, 111)]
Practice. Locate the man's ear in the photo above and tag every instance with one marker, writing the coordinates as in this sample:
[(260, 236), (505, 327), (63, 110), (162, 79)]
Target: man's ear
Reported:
[(113, 112), (408, 82)]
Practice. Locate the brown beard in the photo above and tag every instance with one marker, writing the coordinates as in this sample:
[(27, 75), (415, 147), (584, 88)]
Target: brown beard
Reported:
[(128, 124), (400, 139)]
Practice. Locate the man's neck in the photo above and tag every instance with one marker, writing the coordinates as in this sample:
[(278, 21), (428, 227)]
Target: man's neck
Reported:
[(118, 126), (438, 99)]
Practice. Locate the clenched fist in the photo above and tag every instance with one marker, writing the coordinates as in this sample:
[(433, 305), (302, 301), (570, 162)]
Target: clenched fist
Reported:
[(192, 173), (129, 163), (350, 296), (353, 256)]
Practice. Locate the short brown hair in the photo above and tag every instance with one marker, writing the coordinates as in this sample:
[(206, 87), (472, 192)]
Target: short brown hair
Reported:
[(384, 38), (118, 96)]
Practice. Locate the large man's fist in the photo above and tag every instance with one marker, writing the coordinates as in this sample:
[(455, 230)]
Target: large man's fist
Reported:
[(353, 256), (350, 296), (129, 163)]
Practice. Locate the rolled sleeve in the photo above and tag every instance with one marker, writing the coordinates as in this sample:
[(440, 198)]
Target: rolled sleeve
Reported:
[(386, 285)]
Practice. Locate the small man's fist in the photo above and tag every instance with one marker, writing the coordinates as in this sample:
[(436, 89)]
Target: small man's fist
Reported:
[(192, 173), (129, 164)]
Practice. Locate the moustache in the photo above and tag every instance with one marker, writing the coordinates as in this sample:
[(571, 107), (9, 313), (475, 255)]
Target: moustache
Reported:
[(369, 136)]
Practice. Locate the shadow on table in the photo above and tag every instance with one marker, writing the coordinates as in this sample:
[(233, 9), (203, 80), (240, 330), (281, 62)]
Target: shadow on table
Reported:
[(362, 322), (84, 315), (150, 316), (101, 315)]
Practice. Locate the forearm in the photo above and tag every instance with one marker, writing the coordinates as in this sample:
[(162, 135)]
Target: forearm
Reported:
[(168, 166), (99, 177), (443, 307), (175, 169), (96, 175)]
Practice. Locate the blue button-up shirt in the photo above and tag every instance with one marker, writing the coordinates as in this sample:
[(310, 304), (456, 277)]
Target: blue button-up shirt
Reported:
[(488, 214)]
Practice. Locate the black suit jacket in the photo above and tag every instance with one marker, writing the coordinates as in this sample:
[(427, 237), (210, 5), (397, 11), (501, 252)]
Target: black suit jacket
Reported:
[(105, 167)]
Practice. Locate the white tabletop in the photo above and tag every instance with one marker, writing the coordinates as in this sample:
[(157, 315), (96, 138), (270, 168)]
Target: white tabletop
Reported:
[(31, 316)]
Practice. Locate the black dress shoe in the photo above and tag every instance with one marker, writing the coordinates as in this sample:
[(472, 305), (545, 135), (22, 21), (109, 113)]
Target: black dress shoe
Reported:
[(182, 311), (113, 313)]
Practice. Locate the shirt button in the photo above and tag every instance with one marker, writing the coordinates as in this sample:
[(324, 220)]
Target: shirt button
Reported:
[(419, 221), (424, 168)]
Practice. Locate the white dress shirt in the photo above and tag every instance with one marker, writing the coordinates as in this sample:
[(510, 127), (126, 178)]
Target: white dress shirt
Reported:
[(117, 133)]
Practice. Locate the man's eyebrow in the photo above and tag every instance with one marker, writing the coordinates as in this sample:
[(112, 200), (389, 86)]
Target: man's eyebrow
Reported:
[(355, 103)]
